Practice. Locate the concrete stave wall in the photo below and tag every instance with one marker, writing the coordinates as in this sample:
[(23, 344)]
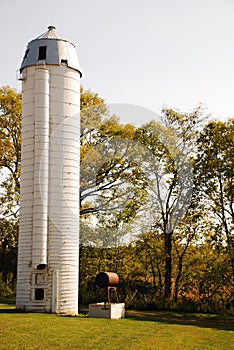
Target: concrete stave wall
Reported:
[(49, 221)]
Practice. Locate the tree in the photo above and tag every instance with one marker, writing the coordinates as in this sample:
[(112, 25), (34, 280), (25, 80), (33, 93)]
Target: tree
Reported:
[(215, 180), (8, 249), (189, 232), (169, 148), (206, 283), (10, 144), (110, 176)]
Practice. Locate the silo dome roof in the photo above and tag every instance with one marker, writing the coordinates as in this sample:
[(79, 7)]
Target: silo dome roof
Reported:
[(51, 48)]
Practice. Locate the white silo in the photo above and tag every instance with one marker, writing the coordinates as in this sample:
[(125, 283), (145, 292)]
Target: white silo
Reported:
[(47, 279)]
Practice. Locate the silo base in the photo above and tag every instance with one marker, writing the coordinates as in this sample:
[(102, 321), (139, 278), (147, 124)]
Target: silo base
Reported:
[(104, 310)]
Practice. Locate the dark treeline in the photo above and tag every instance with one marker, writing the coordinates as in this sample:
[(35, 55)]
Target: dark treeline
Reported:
[(204, 285)]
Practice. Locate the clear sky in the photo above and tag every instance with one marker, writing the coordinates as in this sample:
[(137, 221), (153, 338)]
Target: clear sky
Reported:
[(148, 53)]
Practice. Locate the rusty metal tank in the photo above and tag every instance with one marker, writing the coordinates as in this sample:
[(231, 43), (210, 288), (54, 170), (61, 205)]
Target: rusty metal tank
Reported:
[(107, 279)]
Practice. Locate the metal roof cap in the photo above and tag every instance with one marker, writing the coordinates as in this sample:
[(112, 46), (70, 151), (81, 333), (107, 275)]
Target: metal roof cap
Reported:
[(57, 51)]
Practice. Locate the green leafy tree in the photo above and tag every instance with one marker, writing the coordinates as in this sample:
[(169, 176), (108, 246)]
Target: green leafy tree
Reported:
[(8, 248), (189, 232), (206, 283), (10, 145), (112, 185), (110, 177), (169, 148), (215, 180)]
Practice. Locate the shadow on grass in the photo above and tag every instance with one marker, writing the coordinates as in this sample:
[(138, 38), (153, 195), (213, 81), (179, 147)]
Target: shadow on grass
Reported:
[(9, 311), (197, 320)]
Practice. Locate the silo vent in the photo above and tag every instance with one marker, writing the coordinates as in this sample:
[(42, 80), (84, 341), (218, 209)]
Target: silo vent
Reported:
[(42, 53), (41, 267), (39, 294)]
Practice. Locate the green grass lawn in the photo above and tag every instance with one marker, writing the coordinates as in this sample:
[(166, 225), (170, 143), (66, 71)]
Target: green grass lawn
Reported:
[(139, 330)]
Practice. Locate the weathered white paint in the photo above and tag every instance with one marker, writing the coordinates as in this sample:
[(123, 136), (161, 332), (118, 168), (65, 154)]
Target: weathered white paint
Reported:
[(103, 310), (49, 219), (54, 308), (41, 166)]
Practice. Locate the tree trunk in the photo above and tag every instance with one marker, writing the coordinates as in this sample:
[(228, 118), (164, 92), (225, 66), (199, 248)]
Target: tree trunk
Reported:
[(168, 264), (178, 277), (160, 282)]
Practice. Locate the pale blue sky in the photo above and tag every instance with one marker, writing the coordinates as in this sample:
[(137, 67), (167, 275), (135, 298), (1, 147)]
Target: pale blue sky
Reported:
[(141, 52)]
